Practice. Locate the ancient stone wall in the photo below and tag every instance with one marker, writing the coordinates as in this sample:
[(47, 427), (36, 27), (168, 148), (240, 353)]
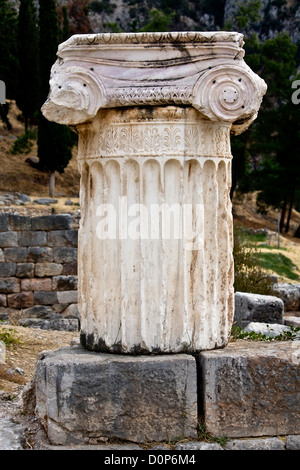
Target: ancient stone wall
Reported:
[(38, 270)]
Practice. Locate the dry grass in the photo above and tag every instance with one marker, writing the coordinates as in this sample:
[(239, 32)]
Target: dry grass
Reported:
[(24, 352), (245, 214), (17, 175)]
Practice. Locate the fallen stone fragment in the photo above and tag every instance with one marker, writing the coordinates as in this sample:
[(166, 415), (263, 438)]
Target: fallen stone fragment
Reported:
[(293, 442), (267, 329), (256, 444), (290, 294), (198, 446), (11, 435), (257, 308), (45, 200)]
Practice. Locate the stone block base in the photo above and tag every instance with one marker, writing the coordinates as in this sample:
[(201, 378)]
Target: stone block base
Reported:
[(252, 389), (84, 397)]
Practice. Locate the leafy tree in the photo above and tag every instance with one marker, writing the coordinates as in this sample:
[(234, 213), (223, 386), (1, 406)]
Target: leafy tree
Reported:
[(65, 32), (54, 140), (276, 135), (28, 73), (248, 273), (247, 16), (104, 6), (159, 21), (8, 47), (265, 158), (8, 55)]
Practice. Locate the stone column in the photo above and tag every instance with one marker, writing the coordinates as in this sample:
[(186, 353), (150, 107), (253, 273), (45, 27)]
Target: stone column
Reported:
[(154, 113)]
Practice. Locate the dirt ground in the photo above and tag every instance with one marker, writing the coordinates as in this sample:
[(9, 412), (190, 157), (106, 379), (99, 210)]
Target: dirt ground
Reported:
[(17, 175), (18, 370), (22, 354)]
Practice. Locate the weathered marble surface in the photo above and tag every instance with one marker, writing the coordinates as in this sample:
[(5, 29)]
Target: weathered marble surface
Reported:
[(251, 389), (97, 396), (154, 113), (204, 70), (143, 288)]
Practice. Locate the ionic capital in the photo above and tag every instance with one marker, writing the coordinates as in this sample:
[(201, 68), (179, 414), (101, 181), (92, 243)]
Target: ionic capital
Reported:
[(203, 70)]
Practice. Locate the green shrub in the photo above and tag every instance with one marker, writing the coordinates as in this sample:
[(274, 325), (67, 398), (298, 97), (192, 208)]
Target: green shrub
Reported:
[(8, 336), (248, 273), (238, 332), (24, 143), (102, 7)]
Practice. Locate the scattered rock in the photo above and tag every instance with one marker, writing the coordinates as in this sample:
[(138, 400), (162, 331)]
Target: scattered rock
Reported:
[(273, 443), (267, 329), (198, 446), (45, 201), (32, 161), (60, 324), (11, 435), (291, 320), (293, 442), (24, 198), (290, 294), (257, 308)]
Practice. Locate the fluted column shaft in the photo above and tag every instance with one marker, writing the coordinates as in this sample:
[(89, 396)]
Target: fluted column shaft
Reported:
[(154, 113), (155, 247)]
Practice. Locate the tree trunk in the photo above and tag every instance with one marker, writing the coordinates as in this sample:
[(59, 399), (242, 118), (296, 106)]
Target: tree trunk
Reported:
[(287, 226), (283, 211), (52, 184)]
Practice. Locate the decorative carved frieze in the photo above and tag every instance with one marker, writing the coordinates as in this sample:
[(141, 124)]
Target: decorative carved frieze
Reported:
[(159, 131)]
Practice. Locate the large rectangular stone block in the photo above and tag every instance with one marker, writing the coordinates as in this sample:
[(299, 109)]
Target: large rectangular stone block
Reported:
[(19, 222), (15, 254), (257, 308), (66, 254), (32, 238), (252, 389), (48, 269), (3, 300), (4, 223), (63, 283), (40, 254), (67, 296), (8, 239), (25, 270), (45, 298), (63, 238), (9, 285), (20, 300), (52, 222), (83, 397), (40, 284), (7, 269)]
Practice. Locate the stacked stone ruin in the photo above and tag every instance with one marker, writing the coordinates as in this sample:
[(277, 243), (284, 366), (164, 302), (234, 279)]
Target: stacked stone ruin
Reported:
[(38, 271)]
